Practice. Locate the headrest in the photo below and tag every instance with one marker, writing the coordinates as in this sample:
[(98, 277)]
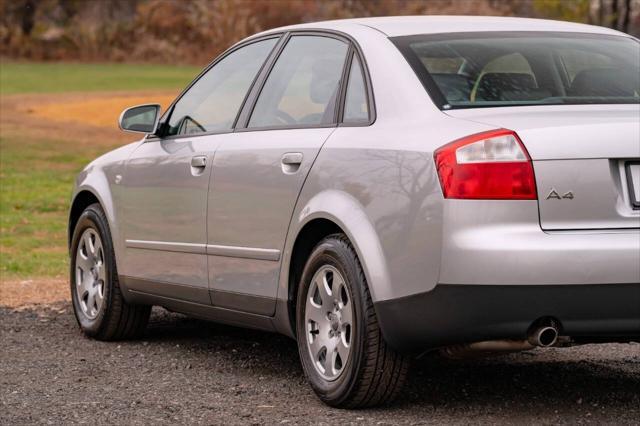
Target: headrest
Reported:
[(605, 82)]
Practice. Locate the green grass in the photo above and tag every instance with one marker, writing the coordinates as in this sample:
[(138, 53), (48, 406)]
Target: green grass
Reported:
[(36, 178), (17, 77), (37, 172)]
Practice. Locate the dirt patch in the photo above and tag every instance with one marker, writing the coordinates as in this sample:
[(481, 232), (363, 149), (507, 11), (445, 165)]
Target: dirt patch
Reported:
[(99, 111), (30, 292), (85, 118)]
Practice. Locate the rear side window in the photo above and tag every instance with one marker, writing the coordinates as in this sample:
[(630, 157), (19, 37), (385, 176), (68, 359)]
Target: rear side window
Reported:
[(302, 88), (212, 103), (519, 68), (356, 107)]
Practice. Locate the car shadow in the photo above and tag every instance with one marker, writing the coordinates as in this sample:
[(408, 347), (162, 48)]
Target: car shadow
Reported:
[(581, 377)]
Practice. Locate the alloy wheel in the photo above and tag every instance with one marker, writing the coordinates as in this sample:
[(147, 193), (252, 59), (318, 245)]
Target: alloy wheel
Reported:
[(90, 273), (329, 322)]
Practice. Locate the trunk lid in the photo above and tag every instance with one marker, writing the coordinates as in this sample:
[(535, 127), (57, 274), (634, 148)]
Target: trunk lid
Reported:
[(586, 160)]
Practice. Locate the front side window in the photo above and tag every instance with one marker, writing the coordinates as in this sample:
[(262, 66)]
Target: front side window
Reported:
[(212, 103), (504, 69), (302, 88), (356, 107)]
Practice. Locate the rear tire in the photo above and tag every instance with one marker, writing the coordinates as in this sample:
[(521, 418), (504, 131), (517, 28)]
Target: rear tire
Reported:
[(98, 304), (373, 373)]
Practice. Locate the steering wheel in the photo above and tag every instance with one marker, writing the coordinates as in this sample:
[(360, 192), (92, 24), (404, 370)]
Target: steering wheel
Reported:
[(285, 118)]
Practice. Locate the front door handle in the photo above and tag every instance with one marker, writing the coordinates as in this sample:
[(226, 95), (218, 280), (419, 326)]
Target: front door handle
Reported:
[(291, 162)]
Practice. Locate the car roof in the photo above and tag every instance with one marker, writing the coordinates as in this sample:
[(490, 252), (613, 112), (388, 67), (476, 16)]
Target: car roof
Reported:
[(394, 26)]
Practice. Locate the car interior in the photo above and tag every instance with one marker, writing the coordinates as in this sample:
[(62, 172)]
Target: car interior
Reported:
[(517, 73)]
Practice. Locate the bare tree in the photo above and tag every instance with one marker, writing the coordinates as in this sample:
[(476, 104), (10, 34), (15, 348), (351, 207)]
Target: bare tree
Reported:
[(626, 16), (28, 16), (613, 17)]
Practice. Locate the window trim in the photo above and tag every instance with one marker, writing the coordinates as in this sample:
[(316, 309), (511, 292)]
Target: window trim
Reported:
[(368, 94), (242, 117), (353, 48), (278, 36), (432, 89), (244, 127)]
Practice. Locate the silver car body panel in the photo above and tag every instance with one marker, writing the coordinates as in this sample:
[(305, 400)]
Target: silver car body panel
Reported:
[(252, 196), (579, 152), (163, 207), (219, 245)]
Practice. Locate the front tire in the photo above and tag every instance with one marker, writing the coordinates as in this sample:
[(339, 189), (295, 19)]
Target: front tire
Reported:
[(343, 353), (98, 304)]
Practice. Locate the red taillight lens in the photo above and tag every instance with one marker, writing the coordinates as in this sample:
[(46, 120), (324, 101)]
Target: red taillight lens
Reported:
[(491, 165)]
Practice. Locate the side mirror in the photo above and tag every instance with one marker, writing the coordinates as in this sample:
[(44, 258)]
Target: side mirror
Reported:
[(141, 118)]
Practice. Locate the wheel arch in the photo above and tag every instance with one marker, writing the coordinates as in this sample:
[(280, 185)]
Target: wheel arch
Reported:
[(95, 190), (81, 201), (327, 213)]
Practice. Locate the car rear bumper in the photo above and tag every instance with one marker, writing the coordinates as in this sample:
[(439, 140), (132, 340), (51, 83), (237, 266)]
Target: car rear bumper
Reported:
[(451, 314), (501, 242)]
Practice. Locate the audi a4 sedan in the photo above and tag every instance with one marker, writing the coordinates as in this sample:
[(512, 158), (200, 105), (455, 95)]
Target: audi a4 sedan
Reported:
[(378, 189)]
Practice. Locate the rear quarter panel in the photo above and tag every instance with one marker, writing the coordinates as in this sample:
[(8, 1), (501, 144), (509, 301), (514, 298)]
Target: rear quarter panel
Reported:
[(379, 183)]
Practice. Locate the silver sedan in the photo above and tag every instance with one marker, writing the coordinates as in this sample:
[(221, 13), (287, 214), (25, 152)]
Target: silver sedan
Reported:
[(377, 189)]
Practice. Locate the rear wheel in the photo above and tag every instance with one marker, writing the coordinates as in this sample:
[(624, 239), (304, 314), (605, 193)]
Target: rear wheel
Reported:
[(99, 307), (343, 353)]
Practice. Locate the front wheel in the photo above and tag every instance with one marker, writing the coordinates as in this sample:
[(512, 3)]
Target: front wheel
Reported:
[(343, 353), (98, 304)]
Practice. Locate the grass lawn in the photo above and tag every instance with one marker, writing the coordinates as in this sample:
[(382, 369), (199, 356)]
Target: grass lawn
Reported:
[(34, 203), (37, 168), (18, 77)]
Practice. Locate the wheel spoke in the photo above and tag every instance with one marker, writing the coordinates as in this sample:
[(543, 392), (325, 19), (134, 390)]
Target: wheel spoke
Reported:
[(332, 359), (338, 283), (83, 263), (316, 347), (84, 283), (324, 291), (97, 247), (316, 344), (101, 273), (343, 350), (91, 301), (99, 296), (88, 244), (346, 313), (315, 313)]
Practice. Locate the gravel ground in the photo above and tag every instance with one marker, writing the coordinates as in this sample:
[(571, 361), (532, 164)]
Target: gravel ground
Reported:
[(188, 371)]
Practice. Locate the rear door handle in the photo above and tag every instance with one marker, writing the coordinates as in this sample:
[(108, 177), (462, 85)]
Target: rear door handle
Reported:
[(199, 161), (291, 162), (198, 164)]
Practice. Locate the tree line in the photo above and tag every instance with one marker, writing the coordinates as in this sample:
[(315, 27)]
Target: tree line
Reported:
[(193, 31)]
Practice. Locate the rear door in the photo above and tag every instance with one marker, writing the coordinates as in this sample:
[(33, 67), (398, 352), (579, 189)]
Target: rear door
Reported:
[(259, 172), (166, 181)]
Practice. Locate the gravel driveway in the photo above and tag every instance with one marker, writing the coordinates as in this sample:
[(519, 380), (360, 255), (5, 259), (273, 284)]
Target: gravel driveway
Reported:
[(188, 371)]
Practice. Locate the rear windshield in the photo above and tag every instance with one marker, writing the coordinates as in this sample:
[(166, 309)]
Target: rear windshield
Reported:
[(471, 70)]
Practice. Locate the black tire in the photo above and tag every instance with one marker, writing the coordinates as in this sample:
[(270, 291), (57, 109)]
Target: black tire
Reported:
[(374, 373), (116, 319)]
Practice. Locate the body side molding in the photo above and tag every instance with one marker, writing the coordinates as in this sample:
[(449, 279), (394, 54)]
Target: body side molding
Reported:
[(210, 249)]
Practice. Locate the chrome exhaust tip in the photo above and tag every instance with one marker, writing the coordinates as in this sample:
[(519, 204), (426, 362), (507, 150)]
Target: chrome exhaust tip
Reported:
[(543, 336)]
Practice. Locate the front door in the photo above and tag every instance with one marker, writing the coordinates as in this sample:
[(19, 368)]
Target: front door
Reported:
[(259, 171), (166, 180)]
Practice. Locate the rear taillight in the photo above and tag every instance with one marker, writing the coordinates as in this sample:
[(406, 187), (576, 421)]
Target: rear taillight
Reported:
[(490, 165)]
